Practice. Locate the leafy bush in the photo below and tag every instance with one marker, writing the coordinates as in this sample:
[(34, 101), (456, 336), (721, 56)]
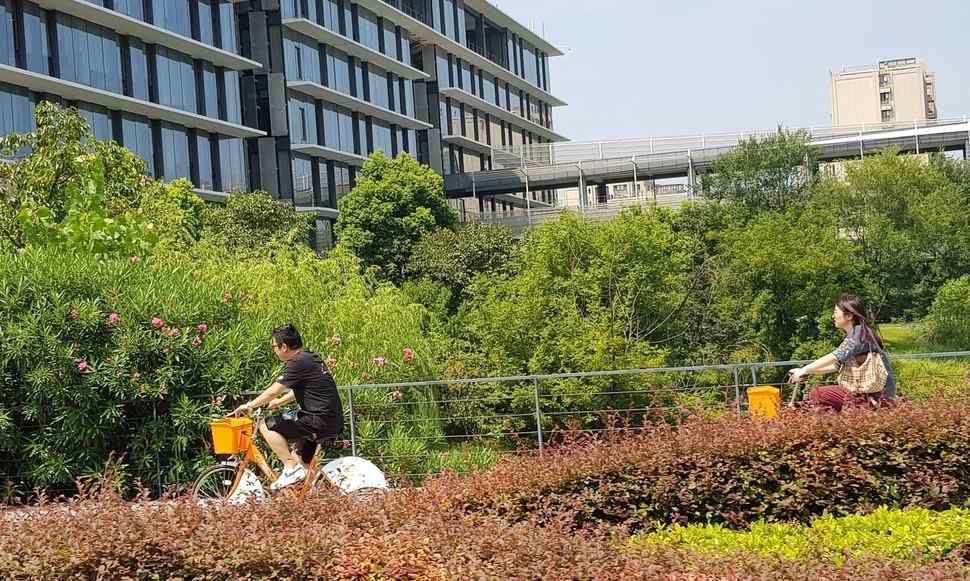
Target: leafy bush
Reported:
[(914, 534), (949, 316), (103, 357), (404, 535), (735, 472)]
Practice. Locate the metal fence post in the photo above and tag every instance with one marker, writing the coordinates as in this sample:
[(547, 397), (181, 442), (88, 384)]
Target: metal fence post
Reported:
[(737, 391), (754, 376), (353, 424), (535, 383)]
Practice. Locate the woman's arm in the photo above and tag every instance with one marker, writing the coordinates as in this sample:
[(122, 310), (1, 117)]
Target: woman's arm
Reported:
[(826, 364)]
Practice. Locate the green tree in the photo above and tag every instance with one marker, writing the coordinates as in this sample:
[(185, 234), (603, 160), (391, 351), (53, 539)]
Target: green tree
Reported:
[(253, 221), (771, 173), (395, 202), (910, 219), (453, 258)]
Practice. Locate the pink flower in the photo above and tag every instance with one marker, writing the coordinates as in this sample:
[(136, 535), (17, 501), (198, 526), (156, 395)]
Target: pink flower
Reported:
[(202, 328), (218, 400), (175, 333), (397, 395), (408, 355), (354, 365), (336, 340), (157, 323), (226, 297), (114, 320), (73, 314), (380, 362), (166, 350), (136, 376), (345, 444), (83, 366), (331, 362), (197, 342), (135, 260)]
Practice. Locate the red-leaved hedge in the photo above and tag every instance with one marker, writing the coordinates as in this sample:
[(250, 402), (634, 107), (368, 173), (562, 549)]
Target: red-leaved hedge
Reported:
[(400, 536), (736, 472), (536, 517)]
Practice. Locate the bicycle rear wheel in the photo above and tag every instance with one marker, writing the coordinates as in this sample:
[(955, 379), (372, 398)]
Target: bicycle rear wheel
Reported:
[(215, 483)]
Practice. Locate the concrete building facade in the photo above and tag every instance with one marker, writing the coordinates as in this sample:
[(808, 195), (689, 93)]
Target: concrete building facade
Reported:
[(892, 91), (285, 96)]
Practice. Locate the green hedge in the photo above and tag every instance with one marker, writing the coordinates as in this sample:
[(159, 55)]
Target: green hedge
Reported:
[(915, 534)]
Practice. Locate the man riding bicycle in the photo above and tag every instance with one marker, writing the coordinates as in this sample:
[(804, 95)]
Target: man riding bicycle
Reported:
[(320, 415)]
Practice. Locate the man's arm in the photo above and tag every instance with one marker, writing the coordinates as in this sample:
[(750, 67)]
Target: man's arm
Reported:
[(261, 400), (283, 400)]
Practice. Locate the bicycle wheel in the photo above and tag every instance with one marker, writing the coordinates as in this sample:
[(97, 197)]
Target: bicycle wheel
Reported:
[(215, 483)]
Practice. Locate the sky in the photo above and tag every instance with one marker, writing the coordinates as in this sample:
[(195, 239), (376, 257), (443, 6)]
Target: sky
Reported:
[(640, 68)]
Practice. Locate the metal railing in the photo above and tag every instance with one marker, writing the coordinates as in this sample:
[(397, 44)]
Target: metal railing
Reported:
[(519, 413), (538, 154)]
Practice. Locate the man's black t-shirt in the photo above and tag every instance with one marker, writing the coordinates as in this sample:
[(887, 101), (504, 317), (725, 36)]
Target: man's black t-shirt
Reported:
[(315, 390)]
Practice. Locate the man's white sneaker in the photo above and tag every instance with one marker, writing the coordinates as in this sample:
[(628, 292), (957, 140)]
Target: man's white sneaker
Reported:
[(289, 477)]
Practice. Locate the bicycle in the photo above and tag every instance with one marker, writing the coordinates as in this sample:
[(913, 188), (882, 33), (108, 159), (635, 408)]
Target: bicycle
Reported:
[(233, 480)]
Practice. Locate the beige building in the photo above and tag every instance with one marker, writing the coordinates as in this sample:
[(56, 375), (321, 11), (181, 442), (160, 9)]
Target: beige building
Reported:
[(900, 90)]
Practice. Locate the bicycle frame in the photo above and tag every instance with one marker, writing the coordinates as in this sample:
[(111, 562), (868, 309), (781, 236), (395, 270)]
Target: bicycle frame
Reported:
[(254, 456)]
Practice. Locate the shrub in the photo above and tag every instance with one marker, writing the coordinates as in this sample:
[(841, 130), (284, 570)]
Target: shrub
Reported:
[(914, 534), (949, 317), (735, 472), (398, 536)]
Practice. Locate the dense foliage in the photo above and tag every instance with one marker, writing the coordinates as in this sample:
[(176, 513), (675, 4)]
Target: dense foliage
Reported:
[(394, 203), (912, 534), (735, 472), (479, 528)]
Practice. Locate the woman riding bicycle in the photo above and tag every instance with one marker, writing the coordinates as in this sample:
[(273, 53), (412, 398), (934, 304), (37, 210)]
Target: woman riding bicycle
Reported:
[(320, 415)]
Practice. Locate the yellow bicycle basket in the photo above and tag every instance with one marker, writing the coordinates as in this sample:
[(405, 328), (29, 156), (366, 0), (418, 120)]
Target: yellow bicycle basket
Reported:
[(231, 435)]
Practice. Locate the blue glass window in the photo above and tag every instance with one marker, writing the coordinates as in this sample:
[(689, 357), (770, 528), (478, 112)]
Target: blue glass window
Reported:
[(230, 80), (227, 26), (390, 40), (89, 54), (303, 120), (35, 40), (133, 8), (338, 70), (99, 119), (302, 57), (176, 80), (369, 31), (204, 161), (173, 15), (377, 78), (302, 181), (210, 90), (381, 135), (136, 135), (139, 69), (443, 69), (175, 152), (232, 163), (8, 55), (16, 110), (331, 15), (206, 20)]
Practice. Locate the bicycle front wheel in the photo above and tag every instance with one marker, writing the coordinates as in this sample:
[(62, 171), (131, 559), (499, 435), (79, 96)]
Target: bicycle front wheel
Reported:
[(215, 483)]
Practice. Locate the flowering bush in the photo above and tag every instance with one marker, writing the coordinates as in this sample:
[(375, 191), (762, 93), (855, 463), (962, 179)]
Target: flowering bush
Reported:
[(115, 356)]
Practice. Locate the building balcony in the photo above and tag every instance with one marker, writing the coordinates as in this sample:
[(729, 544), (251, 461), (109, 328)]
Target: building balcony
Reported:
[(468, 143), (150, 33), (429, 36), (40, 83), (467, 98), (355, 104), (320, 151), (353, 48)]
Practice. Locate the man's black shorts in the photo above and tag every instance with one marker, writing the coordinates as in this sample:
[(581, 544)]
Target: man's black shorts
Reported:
[(302, 429)]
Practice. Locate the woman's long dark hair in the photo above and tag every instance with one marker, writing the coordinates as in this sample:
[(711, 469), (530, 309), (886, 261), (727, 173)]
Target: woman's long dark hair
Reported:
[(853, 305)]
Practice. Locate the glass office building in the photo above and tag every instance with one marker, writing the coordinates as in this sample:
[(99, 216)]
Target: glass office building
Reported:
[(285, 96)]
